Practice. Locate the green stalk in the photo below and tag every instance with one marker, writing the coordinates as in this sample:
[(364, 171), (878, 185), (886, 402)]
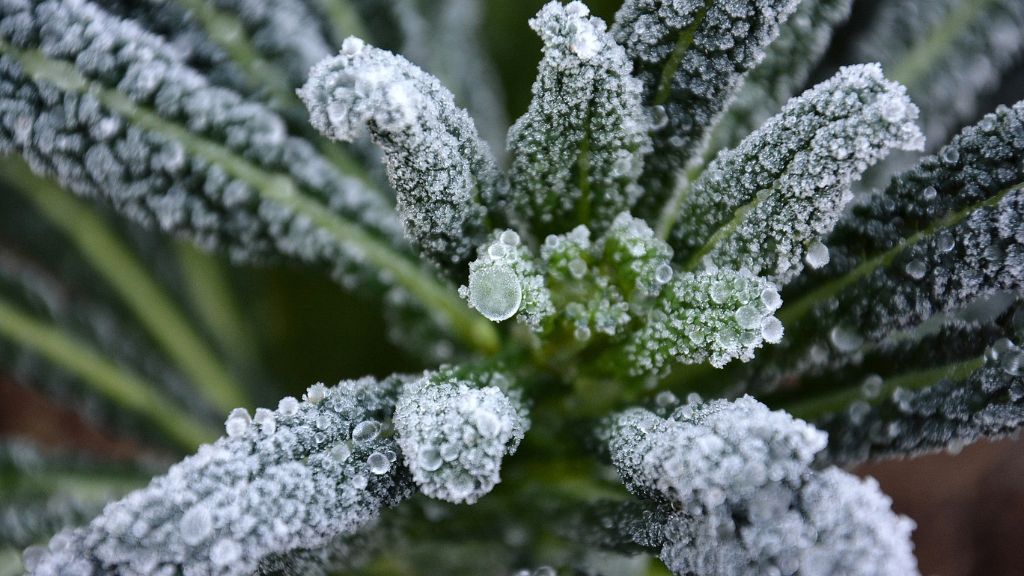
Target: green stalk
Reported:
[(472, 328), (10, 562), (686, 36), (210, 291), (115, 383), (923, 56), (155, 311), (670, 211), (835, 400)]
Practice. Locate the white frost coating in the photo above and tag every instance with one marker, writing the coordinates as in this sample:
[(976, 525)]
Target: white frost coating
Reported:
[(443, 173), (709, 316), (759, 206), (454, 433), (745, 499), (249, 496), (504, 282), (584, 94)]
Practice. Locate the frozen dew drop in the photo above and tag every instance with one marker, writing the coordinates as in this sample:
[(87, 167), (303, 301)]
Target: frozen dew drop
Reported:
[(449, 451), (487, 423), (495, 292), (578, 268), (265, 420), (237, 422), (316, 393), (288, 406), (666, 399), (771, 330), (360, 481), (845, 339), (340, 452), (196, 525), (585, 44), (944, 241), (352, 46), (771, 299), (378, 463), (663, 273), (510, 238), (658, 117), (817, 255), (929, 193), (545, 571), (950, 154), (366, 431), (461, 487), (430, 459), (916, 269), (225, 552), (871, 387), (748, 317), (582, 333)]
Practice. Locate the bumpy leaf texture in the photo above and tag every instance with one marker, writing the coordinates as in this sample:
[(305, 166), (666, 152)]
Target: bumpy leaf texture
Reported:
[(691, 56), (763, 205), (744, 500), (291, 478), (444, 174), (578, 150)]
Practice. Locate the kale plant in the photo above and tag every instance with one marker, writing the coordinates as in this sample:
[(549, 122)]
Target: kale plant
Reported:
[(651, 325)]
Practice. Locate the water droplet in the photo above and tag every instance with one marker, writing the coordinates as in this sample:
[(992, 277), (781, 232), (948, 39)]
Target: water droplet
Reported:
[(658, 117), (237, 422), (578, 268), (663, 273), (510, 238), (666, 399), (449, 451), (916, 269), (845, 339), (265, 420), (817, 255), (582, 333), (944, 241), (378, 463), (871, 387), (487, 423), (430, 459), (748, 317), (771, 330), (360, 481), (340, 452), (950, 154), (366, 431), (288, 406), (495, 292)]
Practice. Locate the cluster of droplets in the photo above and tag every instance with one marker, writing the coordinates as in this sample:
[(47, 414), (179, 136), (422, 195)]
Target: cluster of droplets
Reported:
[(585, 93), (454, 432), (784, 187), (292, 478), (443, 173), (504, 281), (714, 316), (744, 498)]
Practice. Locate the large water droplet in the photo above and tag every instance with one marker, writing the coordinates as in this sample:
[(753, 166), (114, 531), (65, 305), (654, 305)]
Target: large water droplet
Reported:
[(495, 292), (366, 431), (378, 463), (430, 459), (845, 339)]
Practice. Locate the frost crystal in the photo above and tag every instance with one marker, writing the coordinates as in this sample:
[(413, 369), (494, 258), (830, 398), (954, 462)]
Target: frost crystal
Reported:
[(691, 55), (761, 205), (248, 496), (711, 316), (444, 174), (585, 95), (745, 499), (454, 432)]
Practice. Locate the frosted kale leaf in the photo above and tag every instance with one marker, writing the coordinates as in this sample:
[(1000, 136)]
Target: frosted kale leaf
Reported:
[(744, 499), (765, 204), (286, 479), (110, 111), (938, 238), (454, 430), (787, 65), (578, 150), (710, 316), (691, 55), (444, 174), (947, 53)]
